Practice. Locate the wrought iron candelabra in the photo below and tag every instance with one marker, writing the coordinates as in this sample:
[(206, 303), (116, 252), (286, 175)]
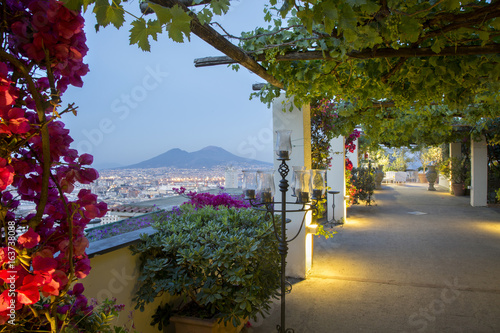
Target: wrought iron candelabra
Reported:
[(262, 184)]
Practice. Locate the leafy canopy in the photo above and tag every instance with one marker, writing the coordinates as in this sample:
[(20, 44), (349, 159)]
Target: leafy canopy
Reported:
[(403, 69)]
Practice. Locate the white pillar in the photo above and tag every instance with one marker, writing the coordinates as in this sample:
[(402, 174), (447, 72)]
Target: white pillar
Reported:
[(336, 178), (299, 259), (479, 173), (354, 156)]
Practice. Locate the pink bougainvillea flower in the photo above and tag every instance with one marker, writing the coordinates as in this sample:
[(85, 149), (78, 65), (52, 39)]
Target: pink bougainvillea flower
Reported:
[(5, 302), (78, 289), (29, 239), (28, 294), (82, 268), (44, 265), (86, 159), (80, 244), (60, 277), (51, 288), (4, 255)]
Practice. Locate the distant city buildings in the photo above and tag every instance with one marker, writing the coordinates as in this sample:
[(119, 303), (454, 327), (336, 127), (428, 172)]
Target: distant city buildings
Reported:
[(124, 189), (231, 178)]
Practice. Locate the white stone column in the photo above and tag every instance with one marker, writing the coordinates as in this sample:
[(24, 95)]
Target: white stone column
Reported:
[(354, 156), (299, 259), (336, 178), (479, 173)]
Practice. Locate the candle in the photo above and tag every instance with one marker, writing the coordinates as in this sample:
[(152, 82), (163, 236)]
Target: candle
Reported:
[(266, 197), (302, 197), (249, 194), (317, 194), (283, 155)]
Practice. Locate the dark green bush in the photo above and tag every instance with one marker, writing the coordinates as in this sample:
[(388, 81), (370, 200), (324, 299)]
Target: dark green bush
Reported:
[(223, 263)]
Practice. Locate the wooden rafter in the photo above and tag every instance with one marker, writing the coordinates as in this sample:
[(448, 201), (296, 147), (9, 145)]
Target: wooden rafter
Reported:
[(365, 54), (212, 37)]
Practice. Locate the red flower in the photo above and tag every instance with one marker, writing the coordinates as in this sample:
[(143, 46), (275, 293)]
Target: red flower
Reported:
[(29, 239), (6, 174)]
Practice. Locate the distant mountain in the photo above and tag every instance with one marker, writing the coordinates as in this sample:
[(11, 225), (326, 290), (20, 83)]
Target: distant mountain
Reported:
[(207, 157)]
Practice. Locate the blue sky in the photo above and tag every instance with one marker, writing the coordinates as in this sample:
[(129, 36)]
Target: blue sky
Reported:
[(135, 105)]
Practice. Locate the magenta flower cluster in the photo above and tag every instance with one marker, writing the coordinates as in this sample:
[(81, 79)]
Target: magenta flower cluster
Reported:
[(199, 200)]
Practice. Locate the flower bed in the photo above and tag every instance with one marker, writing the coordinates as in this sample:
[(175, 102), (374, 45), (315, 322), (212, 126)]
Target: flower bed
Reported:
[(120, 227)]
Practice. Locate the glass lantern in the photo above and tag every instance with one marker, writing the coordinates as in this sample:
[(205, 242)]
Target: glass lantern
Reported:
[(249, 184), (283, 144), (292, 183), (318, 186), (265, 186), (302, 186)]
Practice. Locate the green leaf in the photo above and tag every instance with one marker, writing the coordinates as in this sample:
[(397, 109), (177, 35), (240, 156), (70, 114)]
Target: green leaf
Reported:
[(162, 13), (204, 16), (495, 23), (116, 15), (73, 4), (410, 28), (219, 7), (370, 7), (106, 13), (140, 32), (437, 46), (453, 4), (484, 35), (181, 24)]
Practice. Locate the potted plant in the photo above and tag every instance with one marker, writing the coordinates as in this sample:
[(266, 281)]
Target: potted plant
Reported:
[(221, 262), (454, 169), (429, 157)]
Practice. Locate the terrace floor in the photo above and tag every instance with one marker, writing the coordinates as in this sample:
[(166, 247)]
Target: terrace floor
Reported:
[(416, 261)]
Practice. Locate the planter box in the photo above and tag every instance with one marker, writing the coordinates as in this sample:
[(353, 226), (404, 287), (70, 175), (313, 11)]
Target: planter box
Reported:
[(197, 325)]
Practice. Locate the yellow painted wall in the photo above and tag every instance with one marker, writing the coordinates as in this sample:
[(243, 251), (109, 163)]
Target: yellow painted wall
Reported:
[(114, 274)]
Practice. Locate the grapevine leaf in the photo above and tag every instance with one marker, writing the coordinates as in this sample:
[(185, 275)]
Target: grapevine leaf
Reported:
[(485, 36), (410, 28), (437, 46), (87, 3), (162, 13), (204, 16), (370, 7), (100, 10), (115, 15), (140, 32), (73, 4), (495, 23), (219, 7), (453, 4), (180, 25), (106, 13)]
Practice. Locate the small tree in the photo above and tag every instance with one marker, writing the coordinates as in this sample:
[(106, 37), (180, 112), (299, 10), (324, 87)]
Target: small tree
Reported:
[(430, 156)]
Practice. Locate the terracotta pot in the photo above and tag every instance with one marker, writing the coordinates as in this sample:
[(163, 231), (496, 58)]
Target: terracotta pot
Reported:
[(197, 325), (458, 189), (422, 178)]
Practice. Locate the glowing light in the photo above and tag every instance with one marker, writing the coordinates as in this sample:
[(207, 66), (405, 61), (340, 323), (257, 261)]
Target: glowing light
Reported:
[(490, 227), (310, 231)]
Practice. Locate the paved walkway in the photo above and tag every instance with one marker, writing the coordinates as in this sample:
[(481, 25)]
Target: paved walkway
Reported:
[(418, 261)]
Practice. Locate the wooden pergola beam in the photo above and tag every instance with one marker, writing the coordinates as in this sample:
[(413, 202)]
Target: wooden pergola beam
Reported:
[(212, 37), (365, 54)]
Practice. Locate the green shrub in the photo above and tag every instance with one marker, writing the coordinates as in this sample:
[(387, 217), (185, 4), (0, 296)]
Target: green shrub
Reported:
[(223, 263)]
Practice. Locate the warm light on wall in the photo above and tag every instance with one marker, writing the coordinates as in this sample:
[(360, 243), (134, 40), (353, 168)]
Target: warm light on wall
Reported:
[(311, 229)]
